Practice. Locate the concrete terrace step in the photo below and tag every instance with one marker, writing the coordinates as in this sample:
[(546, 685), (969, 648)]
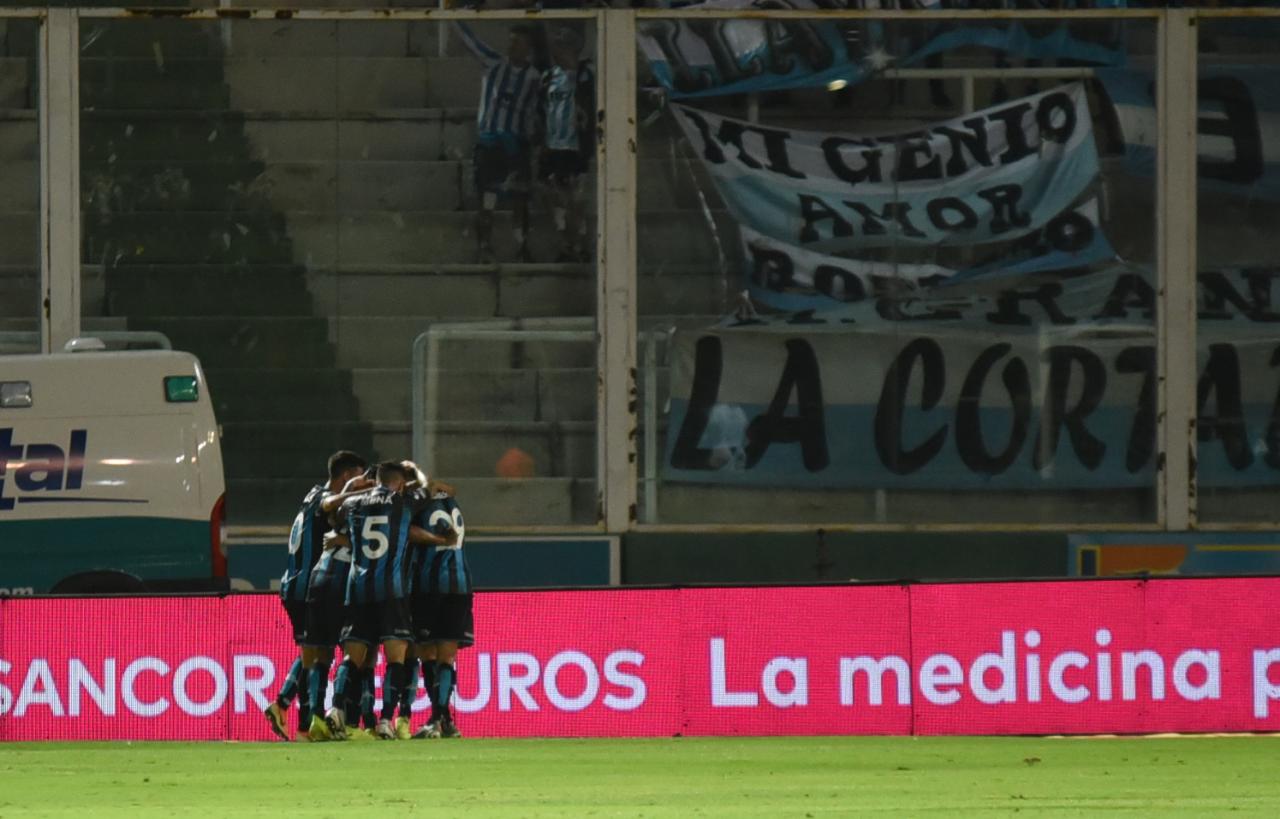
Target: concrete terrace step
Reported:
[(283, 394), (208, 290), (352, 38), (280, 449), (19, 134), (288, 449), (488, 502), (386, 342), (292, 184), (28, 324), (460, 291), (337, 84), (20, 181), (208, 182), (132, 69), (238, 342), (394, 136), (545, 394), (312, 394), (188, 237), (412, 237), (378, 342), (154, 38), (559, 449), (431, 184), (340, 83), (19, 293), (168, 92), (326, 38), (16, 88), (164, 136), (87, 323), (408, 237), (20, 238)]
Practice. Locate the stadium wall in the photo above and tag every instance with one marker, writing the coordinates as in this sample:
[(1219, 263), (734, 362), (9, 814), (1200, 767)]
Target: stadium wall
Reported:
[(1095, 656)]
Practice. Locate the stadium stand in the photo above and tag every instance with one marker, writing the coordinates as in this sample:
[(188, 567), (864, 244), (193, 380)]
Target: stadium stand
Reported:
[(297, 237)]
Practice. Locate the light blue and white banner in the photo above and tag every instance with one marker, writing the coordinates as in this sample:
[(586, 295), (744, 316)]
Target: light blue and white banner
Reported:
[(1050, 384), (786, 277), (995, 175), (714, 57), (1238, 126)]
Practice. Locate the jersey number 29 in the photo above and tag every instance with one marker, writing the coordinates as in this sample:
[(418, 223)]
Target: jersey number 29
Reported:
[(454, 520)]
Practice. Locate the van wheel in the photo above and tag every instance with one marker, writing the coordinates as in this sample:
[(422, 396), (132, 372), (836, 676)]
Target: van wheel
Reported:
[(103, 581)]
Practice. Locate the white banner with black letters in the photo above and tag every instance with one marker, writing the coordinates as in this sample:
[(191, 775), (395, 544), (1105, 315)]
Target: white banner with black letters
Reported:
[(1050, 384), (995, 175)]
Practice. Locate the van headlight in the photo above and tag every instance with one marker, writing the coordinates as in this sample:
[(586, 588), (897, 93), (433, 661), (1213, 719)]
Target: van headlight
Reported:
[(15, 394)]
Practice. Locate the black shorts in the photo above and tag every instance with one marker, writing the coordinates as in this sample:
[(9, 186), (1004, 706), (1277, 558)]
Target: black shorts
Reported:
[(374, 623), (443, 618), (325, 616), (563, 168), (297, 611), (501, 170)]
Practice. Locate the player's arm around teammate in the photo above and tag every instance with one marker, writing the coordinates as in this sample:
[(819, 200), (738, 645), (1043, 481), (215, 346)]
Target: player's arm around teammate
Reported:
[(377, 606), (443, 619), (305, 546)]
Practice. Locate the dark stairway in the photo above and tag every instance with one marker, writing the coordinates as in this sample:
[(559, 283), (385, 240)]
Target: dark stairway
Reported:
[(191, 246)]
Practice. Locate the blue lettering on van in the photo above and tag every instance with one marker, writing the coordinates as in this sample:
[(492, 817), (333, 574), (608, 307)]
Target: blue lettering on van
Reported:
[(44, 467)]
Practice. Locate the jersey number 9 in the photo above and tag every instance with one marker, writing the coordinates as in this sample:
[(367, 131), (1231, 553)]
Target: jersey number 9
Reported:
[(371, 535)]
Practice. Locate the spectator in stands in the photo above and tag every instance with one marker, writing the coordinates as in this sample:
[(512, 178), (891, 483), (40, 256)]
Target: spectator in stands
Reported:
[(568, 105), (506, 128)]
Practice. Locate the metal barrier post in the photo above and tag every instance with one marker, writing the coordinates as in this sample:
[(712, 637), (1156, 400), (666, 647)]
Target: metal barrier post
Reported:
[(1176, 261), (60, 178)]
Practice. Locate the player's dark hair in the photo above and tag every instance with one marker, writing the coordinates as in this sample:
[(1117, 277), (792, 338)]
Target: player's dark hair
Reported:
[(342, 461), (388, 470), (523, 30)]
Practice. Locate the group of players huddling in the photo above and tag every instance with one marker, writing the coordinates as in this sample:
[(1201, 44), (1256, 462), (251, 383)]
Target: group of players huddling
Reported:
[(375, 557)]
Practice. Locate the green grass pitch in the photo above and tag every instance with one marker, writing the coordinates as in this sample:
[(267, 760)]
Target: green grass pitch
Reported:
[(818, 777)]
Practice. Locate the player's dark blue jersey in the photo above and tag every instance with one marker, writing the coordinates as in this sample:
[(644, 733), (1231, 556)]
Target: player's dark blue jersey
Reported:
[(378, 525), (329, 577), (306, 542), (442, 569)]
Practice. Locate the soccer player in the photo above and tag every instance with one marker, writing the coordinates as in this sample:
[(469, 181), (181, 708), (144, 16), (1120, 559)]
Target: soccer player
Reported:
[(442, 613), (326, 596), (568, 102), (326, 613), (379, 525), (306, 541), (506, 126)]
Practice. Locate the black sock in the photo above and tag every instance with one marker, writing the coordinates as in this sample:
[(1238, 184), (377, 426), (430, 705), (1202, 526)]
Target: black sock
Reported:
[(290, 688), (429, 685), (444, 688), (316, 683), (304, 699), (366, 699), (410, 692), (345, 686), (393, 688)]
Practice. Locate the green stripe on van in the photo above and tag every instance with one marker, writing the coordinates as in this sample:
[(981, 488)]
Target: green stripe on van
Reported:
[(36, 554)]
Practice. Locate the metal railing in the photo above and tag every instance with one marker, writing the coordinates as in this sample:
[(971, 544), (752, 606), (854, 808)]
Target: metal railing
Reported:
[(425, 380)]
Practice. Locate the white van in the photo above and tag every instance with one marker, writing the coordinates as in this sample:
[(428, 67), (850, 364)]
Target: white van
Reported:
[(110, 474)]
